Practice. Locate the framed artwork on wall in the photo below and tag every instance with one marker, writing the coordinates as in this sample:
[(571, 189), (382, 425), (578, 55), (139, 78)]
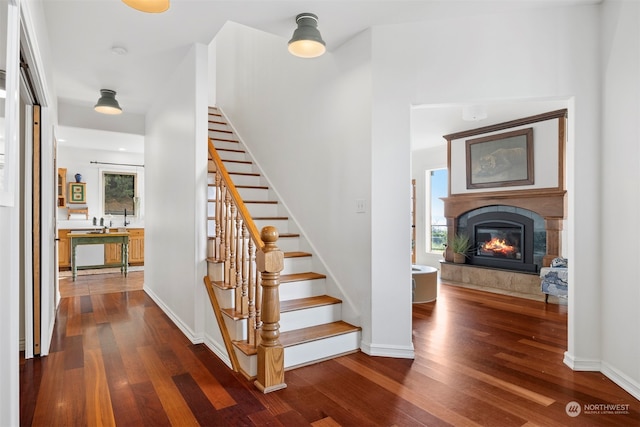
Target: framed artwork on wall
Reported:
[(77, 192), (500, 160)]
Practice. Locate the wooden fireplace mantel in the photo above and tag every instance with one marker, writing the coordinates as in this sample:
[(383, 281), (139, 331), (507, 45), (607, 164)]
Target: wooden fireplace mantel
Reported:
[(546, 202)]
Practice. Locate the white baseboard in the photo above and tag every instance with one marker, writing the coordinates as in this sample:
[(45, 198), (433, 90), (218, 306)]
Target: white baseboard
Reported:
[(629, 385), (578, 364), (398, 352), (190, 334)]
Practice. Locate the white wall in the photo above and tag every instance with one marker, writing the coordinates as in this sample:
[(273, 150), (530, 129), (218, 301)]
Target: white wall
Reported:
[(308, 125), (620, 152), (78, 160), (175, 193)]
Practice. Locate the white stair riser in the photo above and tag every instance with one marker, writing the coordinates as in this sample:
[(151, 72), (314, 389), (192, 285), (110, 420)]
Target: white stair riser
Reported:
[(231, 145), (310, 317), (248, 193), (249, 364), (306, 353), (288, 244), (216, 134), (266, 210), (281, 225), (224, 296), (232, 155), (302, 289), (251, 180), (296, 265), (262, 209), (238, 167), (237, 328)]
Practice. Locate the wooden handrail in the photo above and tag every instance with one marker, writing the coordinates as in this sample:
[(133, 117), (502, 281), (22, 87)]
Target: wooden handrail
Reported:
[(242, 209)]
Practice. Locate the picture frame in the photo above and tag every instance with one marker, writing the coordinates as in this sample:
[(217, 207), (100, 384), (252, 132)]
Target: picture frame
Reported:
[(500, 160), (77, 192)]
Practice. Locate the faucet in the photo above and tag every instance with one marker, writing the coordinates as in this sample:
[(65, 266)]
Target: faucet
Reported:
[(125, 218)]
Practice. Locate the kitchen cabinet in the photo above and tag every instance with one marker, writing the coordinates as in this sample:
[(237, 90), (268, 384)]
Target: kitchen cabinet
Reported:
[(62, 187), (136, 248), (64, 250)]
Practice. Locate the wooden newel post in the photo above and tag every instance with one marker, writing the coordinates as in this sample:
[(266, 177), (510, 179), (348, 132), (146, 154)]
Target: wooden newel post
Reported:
[(270, 262)]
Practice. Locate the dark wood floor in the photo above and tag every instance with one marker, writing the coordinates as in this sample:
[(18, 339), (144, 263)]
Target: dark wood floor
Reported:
[(481, 360)]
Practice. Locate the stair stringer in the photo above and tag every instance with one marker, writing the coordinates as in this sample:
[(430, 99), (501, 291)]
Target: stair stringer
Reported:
[(334, 287)]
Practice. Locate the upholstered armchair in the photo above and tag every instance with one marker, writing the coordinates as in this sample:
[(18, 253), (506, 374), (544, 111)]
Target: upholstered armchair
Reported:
[(554, 279)]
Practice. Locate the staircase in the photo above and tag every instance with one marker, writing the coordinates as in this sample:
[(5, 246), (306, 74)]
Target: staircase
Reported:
[(311, 326)]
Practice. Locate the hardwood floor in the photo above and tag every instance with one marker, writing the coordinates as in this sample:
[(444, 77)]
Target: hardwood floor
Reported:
[(481, 360)]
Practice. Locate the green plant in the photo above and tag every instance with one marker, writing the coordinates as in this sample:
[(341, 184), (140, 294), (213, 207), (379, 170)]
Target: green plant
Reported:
[(461, 244)]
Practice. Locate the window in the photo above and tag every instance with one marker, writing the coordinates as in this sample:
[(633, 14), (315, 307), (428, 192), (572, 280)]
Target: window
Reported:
[(120, 190), (437, 233)]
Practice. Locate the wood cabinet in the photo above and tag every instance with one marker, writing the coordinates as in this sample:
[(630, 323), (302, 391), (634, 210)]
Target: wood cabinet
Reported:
[(112, 252), (62, 187), (64, 250)]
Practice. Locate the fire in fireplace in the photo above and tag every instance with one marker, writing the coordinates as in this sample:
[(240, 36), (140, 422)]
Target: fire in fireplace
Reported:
[(502, 240)]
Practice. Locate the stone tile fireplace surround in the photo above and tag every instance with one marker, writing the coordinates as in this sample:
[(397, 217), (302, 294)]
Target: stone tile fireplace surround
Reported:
[(500, 208)]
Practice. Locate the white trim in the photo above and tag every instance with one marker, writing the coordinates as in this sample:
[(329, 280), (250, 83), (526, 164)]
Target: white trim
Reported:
[(400, 352), (578, 364), (27, 210), (627, 383)]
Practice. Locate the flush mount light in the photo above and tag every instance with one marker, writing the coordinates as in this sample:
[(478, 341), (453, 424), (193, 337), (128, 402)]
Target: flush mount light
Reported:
[(149, 6), (107, 104), (3, 84), (306, 41), (474, 113)]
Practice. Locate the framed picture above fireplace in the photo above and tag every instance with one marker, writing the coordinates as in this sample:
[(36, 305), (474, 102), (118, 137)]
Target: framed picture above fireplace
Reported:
[(500, 160)]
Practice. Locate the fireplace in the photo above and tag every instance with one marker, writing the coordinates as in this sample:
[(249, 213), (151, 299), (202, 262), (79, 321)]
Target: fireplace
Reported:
[(503, 239)]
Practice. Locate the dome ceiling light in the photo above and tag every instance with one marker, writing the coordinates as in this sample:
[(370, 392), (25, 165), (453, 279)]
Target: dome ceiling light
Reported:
[(107, 104), (149, 6), (306, 41)]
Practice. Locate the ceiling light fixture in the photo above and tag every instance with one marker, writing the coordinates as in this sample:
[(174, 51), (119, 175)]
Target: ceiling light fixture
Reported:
[(474, 113), (3, 84), (149, 6), (306, 41), (107, 104)]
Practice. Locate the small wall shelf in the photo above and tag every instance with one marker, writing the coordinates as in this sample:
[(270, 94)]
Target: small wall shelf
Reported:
[(72, 211)]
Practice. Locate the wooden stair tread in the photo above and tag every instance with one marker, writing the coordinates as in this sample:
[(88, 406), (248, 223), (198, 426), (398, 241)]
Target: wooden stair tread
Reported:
[(313, 333), (244, 347), (224, 140), (301, 336), (297, 277), (296, 254), (289, 235), (271, 218), (243, 162), (233, 314), (229, 150), (219, 130), (308, 302), (259, 187), (262, 202)]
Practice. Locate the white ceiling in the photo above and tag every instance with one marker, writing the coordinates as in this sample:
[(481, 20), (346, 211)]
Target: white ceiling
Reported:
[(82, 34)]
